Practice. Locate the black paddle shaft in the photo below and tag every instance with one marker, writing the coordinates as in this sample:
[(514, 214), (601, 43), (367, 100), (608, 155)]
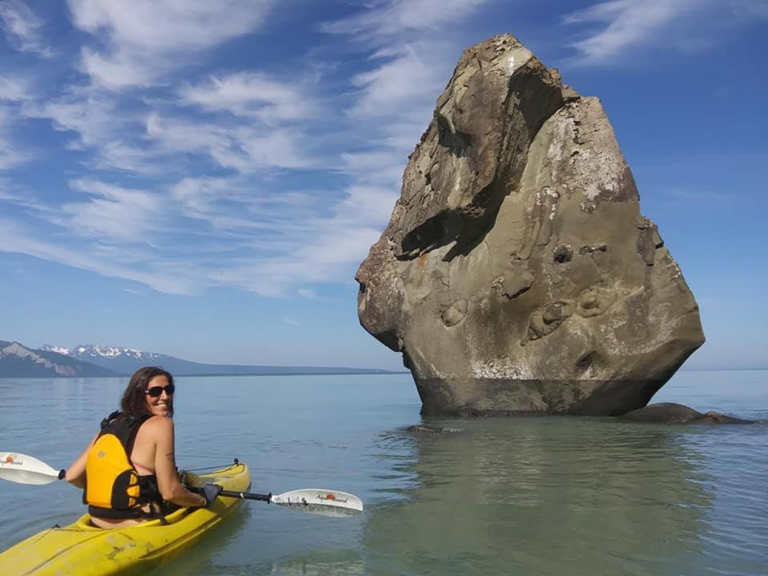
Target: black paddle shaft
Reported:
[(231, 494), (246, 495)]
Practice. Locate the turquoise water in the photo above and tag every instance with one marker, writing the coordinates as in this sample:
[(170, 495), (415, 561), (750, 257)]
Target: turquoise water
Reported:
[(544, 496)]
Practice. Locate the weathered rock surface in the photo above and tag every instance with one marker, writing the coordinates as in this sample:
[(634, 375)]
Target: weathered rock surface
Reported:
[(517, 274), (671, 413)]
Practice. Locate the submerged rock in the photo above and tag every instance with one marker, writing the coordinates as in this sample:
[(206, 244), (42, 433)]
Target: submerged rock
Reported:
[(671, 413), (517, 274), (427, 429)]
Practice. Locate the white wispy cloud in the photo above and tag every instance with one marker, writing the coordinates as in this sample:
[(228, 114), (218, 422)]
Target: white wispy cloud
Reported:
[(324, 256), (237, 202), (367, 206), (413, 46), (199, 197), (238, 147), (323, 249), (182, 135), (95, 117), (167, 277), (252, 94), (279, 148), (10, 154), (22, 28), (404, 81), (132, 135), (382, 166), (277, 240), (12, 193), (134, 158), (395, 17), (146, 39), (112, 213), (14, 88), (628, 24), (110, 129)]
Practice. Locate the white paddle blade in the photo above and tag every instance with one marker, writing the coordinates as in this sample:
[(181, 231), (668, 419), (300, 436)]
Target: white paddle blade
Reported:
[(24, 469), (319, 501)]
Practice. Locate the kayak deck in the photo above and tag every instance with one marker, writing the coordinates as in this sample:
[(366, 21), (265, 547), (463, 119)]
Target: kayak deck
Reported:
[(86, 550)]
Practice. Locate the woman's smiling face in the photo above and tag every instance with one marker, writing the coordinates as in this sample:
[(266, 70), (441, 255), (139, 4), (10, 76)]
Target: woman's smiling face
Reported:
[(159, 405)]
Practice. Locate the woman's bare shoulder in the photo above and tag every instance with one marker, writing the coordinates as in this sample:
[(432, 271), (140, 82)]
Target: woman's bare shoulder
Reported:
[(159, 424)]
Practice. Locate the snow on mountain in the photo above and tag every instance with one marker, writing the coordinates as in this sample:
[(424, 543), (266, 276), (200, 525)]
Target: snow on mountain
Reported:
[(95, 351), (126, 360), (56, 349)]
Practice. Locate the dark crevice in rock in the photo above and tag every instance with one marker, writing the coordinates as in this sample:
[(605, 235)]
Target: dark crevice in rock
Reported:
[(646, 246), (563, 254), (476, 221), (514, 294), (454, 140), (586, 360), (535, 94), (438, 231), (389, 339)]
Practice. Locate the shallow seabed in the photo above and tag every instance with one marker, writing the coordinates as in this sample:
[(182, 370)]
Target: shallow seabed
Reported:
[(576, 496)]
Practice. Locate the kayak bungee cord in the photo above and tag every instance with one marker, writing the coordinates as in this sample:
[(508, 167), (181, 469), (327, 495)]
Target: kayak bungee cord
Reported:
[(217, 467)]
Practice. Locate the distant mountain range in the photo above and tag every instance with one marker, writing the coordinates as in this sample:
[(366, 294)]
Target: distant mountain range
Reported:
[(19, 361)]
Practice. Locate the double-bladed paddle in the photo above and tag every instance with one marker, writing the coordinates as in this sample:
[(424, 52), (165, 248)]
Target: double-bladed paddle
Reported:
[(24, 469), (314, 500)]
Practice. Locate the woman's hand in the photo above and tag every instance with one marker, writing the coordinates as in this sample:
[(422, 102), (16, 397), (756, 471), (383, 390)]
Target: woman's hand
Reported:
[(211, 492)]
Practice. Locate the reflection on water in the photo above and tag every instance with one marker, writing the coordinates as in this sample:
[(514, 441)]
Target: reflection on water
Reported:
[(321, 563), (307, 563), (553, 496)]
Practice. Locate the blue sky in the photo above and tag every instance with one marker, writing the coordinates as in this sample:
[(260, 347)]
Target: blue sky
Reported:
[(203, 178)]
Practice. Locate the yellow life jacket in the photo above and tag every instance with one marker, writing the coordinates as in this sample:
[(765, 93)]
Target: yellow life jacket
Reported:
[(113, 487)]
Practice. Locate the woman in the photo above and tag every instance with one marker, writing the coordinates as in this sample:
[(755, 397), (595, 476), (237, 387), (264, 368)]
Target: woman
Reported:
[(128, 470)]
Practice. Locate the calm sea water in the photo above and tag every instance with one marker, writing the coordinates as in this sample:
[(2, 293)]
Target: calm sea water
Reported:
[(544, 496)]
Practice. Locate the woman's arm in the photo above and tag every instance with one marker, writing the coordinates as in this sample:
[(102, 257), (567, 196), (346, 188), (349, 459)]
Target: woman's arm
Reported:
[(76, 472), (165, 465)]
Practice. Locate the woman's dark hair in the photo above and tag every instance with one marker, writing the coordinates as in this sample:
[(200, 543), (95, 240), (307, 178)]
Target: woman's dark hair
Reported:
[(134, 398)]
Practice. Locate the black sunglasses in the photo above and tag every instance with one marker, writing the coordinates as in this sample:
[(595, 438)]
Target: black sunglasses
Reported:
[(157, 391)]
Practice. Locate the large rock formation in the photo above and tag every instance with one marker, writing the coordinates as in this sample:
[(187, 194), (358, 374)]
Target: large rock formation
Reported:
[(516, 274)]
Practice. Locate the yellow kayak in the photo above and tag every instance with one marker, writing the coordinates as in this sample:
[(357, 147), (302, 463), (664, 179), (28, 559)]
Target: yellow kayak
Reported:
[(84, 550)]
